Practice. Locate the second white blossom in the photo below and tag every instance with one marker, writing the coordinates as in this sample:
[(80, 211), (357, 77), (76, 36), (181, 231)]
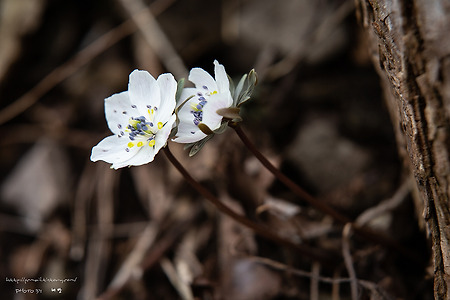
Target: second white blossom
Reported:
[(209, 95)]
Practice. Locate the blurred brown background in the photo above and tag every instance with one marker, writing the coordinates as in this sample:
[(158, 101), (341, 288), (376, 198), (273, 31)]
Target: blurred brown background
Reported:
[(142, 232)]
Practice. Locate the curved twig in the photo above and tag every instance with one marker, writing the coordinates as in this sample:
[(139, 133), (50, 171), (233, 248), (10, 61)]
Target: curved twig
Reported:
[(259, 229), (68, 68), (361, 231)]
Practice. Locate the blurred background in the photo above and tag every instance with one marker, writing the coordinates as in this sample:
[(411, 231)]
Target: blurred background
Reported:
[(142, 232)]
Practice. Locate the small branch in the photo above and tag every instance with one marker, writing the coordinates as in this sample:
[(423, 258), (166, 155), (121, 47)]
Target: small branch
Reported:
[(155, 36), (361, 231), (183, 288), (70, 67), (314, 285), (260, 230), (385, 205), (288, 182), (349, 261)]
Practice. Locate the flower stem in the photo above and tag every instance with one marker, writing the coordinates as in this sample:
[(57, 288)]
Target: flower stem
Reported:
[(286, 181), (361, 231), (259, 229)]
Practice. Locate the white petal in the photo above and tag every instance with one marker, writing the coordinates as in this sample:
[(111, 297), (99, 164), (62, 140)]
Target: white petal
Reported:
[(221, 78), (202, 79), (187, 131), (163, 135), (184, 114), (117, 112), (168, 89), (112, 150), (185, 94), (145, 155), (210, 117), (186, 127), (143, 91), (184, 136)]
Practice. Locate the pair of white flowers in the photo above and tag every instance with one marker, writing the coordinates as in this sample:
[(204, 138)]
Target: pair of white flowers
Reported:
[(143, 118)]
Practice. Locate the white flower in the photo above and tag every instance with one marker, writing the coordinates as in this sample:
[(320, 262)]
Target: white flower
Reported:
[(141, 120), (208, 96)]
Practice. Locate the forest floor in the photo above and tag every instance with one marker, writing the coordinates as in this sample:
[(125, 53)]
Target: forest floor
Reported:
[(74, 229)]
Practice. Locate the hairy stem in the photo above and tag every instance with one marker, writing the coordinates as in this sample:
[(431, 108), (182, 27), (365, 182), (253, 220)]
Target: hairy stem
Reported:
[(259, 229)]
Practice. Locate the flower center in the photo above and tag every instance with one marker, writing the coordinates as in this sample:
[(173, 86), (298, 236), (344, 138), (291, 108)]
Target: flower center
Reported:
[(142, 131), (197, 109), (139, 127)]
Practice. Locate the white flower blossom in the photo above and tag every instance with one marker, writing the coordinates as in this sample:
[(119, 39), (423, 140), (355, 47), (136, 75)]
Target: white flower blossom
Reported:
[(141, 120), (208, 96)]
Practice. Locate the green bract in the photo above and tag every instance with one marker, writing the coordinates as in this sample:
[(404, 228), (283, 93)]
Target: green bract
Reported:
[(206, 109)]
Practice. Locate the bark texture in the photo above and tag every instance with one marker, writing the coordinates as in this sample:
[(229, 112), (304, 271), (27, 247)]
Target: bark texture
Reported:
[(409, 42)]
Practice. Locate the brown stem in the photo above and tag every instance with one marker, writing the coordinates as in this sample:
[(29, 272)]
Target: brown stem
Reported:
[(361, 231), (286, 181), (260, 230)]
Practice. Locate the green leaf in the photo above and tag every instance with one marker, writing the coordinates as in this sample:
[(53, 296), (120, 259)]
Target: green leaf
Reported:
[(173, 132), (232, 87), (252, 80), (180, 87), (222, 128), (239, 89), (197, 146), (188, 145)]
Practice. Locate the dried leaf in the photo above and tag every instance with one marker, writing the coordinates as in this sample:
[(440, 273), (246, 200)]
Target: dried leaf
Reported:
[(38, 183)]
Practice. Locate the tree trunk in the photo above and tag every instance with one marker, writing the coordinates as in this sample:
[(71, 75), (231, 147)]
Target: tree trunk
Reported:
[(409, 42)]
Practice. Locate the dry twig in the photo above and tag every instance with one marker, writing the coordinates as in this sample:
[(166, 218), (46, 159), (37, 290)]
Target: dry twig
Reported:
[(131, 266), (385, 205), (184, 290), (67, 69), (315, 271), (155, 37), (346, 232), (98, 245), (84, 192)]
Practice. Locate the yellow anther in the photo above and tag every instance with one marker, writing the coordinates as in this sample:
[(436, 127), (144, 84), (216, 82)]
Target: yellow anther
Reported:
[(160, 125), (140, 144), (130, 145), (151, 143), (215, 92), (133, 123), (194, 107)]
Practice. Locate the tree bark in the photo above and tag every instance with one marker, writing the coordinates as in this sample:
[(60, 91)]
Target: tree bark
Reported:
[(409, 42)]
